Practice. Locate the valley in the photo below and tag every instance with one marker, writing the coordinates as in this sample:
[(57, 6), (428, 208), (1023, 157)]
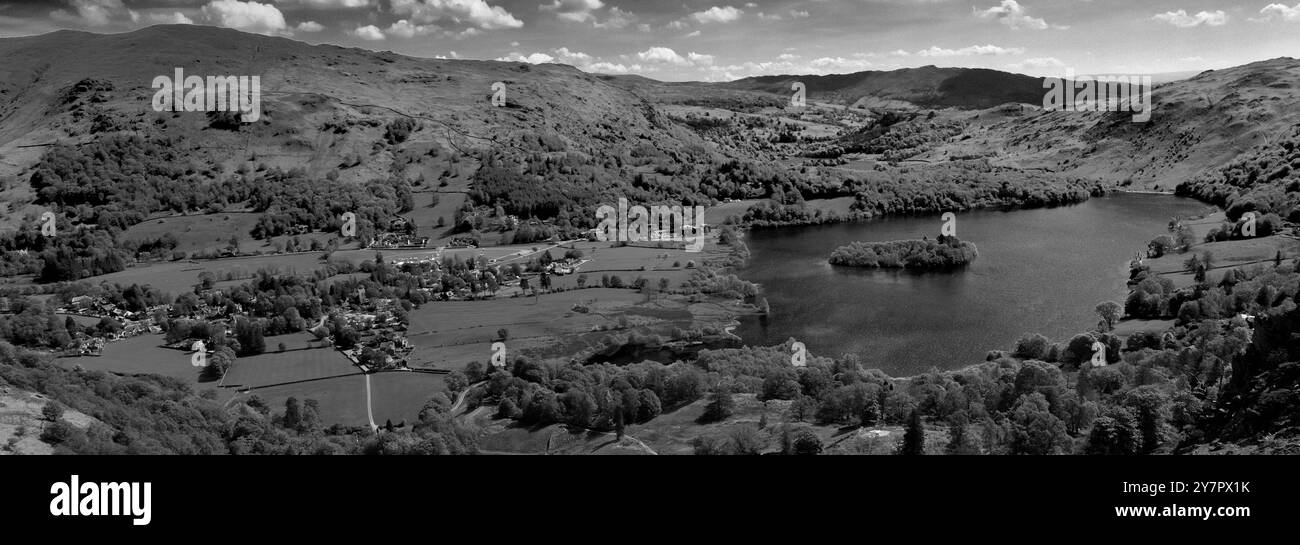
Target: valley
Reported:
[(386, 262)]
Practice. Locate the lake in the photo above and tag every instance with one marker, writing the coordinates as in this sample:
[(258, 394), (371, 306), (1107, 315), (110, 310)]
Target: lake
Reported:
[(1040, 271)]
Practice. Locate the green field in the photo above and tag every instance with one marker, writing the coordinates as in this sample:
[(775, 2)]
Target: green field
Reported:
[(342, 399), (451, 334), (141, 355), (287, 367), (399, 396)]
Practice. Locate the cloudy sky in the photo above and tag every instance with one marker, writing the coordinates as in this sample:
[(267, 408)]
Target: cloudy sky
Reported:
[(720, 39)]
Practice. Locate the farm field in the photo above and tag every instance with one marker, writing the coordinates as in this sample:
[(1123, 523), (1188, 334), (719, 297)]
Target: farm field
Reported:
[(452, 334), (1127, 328), (716, 215), (1227, 255), (143, 354), (181, 276), (286, 367), (342, 399), (399, 396), (198, 232)]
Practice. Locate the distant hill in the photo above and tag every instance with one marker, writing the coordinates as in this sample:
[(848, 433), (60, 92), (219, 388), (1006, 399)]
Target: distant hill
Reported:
[(1198, 125), (305, 85), (927, 86)]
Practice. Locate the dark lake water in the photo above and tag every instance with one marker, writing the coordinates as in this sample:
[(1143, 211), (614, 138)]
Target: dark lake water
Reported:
[(1041, 271)]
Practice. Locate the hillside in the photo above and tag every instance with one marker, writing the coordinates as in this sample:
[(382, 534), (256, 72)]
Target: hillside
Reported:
[(323, 105), (927, 86), (1198, 124)]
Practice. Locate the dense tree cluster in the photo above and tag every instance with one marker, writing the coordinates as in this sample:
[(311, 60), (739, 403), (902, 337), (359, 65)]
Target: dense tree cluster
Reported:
[(600, 397), (1265, 180), (945, 252)]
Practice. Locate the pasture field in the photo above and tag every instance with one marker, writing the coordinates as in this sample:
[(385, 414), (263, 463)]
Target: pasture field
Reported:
[(717, 214), (399, 396), (180, 276), (451, 334), (201, 232), (1227, 255), (143, 354), (291, 366), (342, 399), (1127, 328)]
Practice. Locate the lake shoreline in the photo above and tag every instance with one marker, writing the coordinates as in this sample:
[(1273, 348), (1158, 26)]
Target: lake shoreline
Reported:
[(763, 280)]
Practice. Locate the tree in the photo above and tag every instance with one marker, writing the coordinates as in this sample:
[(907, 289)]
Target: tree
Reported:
[(456, 381), (800, 441), (719, 408), (474, 372), (252, 339), (292, 414), (543, 410), (1033, 347), (913, 443), (507, 408), (648, 405), (1035, 429), (711, 445), (959, 441), (52, 411), (1151, 408), (1110, 313), (746, 440), (780, 385), (580, 407), (1113, 433)]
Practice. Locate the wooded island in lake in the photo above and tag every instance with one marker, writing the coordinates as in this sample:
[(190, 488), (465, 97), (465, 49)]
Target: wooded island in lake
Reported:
[(944, 252)]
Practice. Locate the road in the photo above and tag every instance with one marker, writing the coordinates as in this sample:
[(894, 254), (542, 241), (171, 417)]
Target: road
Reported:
[(460, 398), (370, 415)]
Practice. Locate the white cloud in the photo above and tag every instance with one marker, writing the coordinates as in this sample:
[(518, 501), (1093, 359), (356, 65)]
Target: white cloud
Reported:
[(1279, 11), (309, 26), (477, 14), (370, 33), (717, 14), (535, 58), (612, 68), (246, 16), (1012, 14), (90, 12), (578, 11), (1037, 65), (616, 19), (173, 18), (970, 51), (666, 56), (840, 64), (699, 59), (562, 55), (405, 29), (331, 4), (1181, 19)]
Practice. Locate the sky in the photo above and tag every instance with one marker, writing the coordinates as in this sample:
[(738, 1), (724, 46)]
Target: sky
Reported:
[(718, 40)]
